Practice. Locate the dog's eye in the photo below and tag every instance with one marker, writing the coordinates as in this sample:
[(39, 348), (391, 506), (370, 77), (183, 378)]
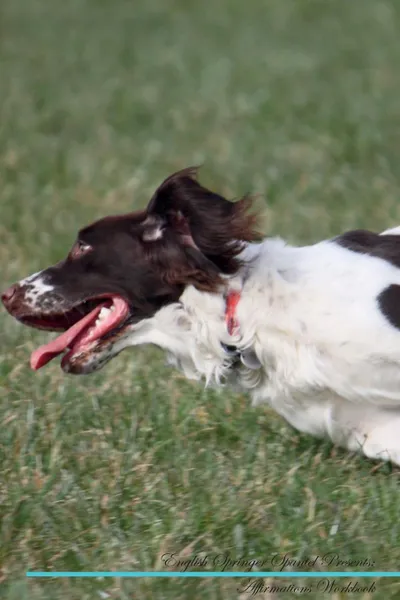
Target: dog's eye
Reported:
[(79, 249)]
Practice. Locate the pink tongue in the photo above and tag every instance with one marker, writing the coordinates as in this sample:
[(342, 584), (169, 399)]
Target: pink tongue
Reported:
[(46, 353)]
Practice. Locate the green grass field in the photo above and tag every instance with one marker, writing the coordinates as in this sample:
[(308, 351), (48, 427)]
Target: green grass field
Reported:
[(297, 100)]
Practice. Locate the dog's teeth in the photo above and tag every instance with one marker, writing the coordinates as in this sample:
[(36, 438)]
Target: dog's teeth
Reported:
[(112, 308), (103, 313)]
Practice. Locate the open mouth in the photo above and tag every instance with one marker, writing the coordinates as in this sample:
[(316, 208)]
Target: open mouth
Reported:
[(82, 326)]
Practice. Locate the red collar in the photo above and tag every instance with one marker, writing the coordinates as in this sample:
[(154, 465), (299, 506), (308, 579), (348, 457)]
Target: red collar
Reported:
[(231, 302)]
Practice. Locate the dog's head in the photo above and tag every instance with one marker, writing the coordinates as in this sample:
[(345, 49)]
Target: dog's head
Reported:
[(123, 269)]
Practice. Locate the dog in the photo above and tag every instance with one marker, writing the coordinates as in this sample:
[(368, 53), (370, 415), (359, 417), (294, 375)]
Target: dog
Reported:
[(313, 331)]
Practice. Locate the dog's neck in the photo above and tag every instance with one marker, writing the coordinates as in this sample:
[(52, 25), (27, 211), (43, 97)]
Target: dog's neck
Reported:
[(202, 334), (194, 334)]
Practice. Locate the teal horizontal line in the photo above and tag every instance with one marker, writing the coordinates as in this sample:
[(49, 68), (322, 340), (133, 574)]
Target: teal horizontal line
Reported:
[(206, 574)]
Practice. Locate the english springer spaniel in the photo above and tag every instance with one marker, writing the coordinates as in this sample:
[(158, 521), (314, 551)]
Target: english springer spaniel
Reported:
[(313, 331)]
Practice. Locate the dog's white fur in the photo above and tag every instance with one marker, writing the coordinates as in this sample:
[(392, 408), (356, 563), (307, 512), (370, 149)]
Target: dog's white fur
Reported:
[(319, 350)]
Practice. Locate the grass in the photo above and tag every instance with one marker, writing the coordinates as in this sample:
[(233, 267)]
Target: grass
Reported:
[(99, 100)]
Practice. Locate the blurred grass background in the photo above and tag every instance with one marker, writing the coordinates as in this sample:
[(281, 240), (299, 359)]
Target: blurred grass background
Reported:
[(99, 101)]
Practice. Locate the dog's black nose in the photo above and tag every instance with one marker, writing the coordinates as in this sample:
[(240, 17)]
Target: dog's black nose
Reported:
[(8, 295)]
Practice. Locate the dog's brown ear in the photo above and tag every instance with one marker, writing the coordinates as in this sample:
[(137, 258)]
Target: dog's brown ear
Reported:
[(165, 209), (203, 219), (171, 192), (155, 226)]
